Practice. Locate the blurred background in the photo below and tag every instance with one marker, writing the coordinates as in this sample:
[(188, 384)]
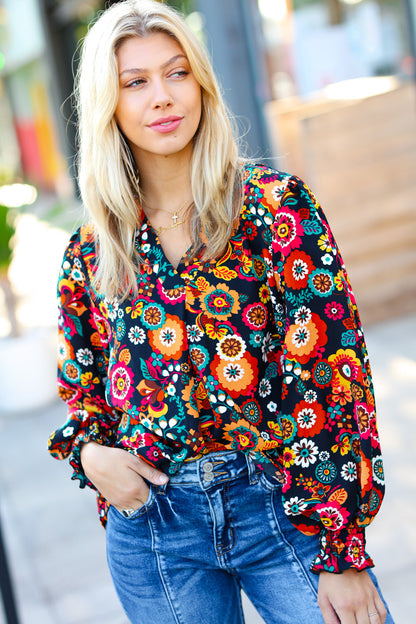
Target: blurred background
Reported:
[(324, 89)]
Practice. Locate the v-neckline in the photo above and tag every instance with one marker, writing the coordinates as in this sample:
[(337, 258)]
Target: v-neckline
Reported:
[(154, 240)]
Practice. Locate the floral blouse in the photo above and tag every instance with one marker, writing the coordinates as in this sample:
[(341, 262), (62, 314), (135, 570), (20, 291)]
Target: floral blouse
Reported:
[(260, 350)]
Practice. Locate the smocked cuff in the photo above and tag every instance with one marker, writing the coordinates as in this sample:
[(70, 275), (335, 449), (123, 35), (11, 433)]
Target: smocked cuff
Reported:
[(341, 550), (75, 458)]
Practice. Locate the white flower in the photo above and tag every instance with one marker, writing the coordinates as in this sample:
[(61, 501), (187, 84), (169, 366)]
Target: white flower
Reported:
[(303, 315), (301, 336), (68, 431), (327, 259), (112, 307), (85, 356), (137, 335), (171, 390), (306, 418), (77, 275), (167, 336), (267, 346), (294, 506), (310, 396), (265, 388), (194, 333), (305, 452), (272, 406), (349, 471), (233, 372), (63, 350)]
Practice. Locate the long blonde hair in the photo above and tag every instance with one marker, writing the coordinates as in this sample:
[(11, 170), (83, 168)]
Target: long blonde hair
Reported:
[(107, 172)]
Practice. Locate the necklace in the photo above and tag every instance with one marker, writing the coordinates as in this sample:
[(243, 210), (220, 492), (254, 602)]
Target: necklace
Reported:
[(174, 216)]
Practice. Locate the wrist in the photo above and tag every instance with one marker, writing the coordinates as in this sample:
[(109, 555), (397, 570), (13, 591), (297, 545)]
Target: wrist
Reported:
[(87, 450)]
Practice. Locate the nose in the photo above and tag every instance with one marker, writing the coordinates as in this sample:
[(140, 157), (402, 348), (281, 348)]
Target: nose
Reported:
[(162, 98)]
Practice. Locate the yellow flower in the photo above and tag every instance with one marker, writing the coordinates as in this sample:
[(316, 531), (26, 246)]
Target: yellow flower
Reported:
[(324, 243), (339, 281), (343, 446), (288, 457), (215, 333), (264, 294), (136, 309), (87, 379)]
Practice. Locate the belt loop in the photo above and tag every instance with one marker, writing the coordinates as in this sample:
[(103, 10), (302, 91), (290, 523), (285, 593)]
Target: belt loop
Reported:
[(252, 472)]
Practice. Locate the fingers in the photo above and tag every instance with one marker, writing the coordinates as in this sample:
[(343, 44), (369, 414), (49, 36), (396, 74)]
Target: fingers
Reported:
[(350, 598), (381, 609), (148, 472), (328, 612)]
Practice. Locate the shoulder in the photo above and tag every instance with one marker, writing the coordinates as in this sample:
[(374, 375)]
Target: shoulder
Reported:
[(276, 190), (82, 243), (263, 174), (81, 254)]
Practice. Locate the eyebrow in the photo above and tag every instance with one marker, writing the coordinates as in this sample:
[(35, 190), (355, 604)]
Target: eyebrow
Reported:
[(142, 70)]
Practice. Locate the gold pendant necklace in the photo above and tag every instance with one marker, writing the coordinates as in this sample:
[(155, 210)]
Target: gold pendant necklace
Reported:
[(174, 216)]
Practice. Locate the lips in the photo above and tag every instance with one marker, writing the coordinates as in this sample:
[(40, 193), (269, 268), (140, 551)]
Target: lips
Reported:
[(166, 124)]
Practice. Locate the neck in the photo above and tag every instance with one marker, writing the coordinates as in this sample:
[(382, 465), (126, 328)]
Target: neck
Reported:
[(165, 180)]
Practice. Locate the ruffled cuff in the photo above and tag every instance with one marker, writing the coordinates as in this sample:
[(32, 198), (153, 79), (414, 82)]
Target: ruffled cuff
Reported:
[(91, 435), (341, 550)]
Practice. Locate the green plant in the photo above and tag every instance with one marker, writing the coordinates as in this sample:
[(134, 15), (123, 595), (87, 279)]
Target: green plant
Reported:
[(7, 231)]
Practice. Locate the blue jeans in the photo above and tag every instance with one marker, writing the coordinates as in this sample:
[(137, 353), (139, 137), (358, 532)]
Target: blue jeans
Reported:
[(217, 527)]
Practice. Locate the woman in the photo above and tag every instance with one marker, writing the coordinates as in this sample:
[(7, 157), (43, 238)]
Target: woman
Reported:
[(218, 385)]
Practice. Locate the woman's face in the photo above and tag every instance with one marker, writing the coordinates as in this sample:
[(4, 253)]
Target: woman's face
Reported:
[(159, 104)]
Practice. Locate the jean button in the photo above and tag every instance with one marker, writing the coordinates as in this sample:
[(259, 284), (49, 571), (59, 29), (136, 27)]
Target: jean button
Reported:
[(208, 467), (208, 476)]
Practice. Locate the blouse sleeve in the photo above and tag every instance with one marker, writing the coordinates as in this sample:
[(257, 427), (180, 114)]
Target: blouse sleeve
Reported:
[(333, 468), (82, 364)]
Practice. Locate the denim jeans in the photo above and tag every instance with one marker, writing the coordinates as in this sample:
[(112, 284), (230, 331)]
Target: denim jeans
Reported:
[(217, 527)]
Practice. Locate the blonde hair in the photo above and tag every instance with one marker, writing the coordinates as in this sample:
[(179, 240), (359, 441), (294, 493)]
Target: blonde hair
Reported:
[(107, 171)]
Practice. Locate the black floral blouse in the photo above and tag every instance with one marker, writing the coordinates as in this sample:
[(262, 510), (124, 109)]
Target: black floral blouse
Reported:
[(260, 350)]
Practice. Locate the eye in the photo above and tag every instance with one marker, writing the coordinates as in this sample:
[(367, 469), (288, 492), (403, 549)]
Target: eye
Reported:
[(180, 73), (137, 82)]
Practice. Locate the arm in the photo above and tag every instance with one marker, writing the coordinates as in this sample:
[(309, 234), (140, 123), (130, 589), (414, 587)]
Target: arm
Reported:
[(90, 431), (83, 352), (334, 476), (89, 434)]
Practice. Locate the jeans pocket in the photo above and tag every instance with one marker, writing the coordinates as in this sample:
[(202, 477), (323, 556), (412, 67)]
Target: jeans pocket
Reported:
[(269, 482), (129, 514)]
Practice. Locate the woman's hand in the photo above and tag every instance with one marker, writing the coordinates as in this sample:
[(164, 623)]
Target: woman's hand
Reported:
[(118, 475), (350, 598)]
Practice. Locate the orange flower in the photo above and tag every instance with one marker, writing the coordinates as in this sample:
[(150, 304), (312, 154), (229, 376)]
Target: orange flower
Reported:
[(169, 338), (341, 395), (236, 377), (310, 418), (219, 301)]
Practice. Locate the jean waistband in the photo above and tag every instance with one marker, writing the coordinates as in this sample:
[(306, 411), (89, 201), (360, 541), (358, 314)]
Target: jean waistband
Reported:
[(215, 468)]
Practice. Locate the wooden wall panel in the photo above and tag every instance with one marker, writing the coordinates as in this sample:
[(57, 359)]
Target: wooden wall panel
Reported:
[(359, 158)]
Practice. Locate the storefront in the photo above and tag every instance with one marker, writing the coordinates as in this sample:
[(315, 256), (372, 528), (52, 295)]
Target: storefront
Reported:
[(29, 145)]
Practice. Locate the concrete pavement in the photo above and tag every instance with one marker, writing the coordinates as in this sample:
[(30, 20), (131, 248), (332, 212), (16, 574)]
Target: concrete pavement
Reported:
[(57, 547)]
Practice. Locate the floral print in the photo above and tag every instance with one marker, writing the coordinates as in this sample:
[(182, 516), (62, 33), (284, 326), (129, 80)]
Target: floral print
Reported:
[(260, 350)]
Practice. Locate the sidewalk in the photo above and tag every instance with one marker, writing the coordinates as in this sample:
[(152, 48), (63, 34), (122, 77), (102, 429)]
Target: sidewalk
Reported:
[(57, 547)]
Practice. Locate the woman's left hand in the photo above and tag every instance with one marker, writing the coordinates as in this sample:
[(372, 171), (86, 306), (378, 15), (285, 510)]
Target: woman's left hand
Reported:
[(350, 598)]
